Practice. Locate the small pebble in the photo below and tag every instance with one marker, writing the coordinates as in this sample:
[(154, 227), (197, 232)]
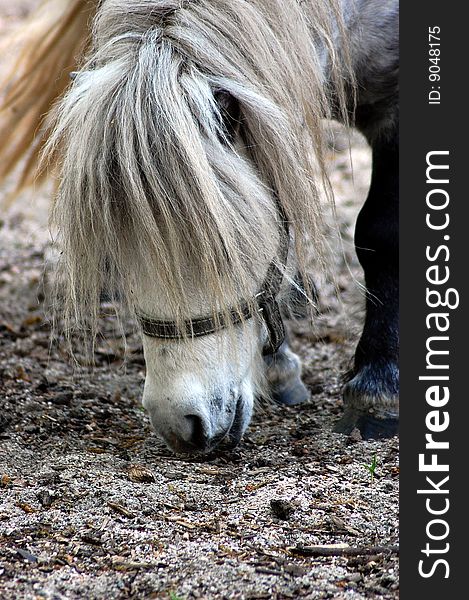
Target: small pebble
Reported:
[(281, 509), (356, 436), (139, 474), (45, 498)]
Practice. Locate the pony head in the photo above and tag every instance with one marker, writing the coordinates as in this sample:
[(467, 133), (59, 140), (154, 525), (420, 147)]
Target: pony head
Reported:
[(188, 127)]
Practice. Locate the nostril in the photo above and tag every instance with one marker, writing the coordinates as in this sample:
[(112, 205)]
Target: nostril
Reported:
[(197, 435)]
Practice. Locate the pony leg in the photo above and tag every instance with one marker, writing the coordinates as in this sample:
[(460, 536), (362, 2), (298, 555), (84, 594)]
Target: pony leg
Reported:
[(371, 395), (284, 377)]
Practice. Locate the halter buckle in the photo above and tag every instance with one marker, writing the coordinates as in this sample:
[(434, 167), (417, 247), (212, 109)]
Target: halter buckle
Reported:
[(272, 317)]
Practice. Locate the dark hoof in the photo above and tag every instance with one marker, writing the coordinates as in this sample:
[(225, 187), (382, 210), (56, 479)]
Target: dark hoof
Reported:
[(370, 426), (292, 394), (371, 401)]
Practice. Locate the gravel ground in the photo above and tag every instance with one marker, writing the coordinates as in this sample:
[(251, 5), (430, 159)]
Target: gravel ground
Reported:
[(92, 505)]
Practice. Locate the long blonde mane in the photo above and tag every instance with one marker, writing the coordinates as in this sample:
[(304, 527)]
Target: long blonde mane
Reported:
[(147, 182)]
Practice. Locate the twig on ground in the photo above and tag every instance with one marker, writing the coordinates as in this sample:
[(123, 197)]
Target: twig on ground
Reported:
[(316, 551)]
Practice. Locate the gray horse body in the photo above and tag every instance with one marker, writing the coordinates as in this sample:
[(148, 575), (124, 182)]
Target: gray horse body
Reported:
[(371, 395)]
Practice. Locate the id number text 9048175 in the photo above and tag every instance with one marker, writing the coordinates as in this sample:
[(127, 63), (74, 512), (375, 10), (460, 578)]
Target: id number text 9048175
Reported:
[(434, 68)]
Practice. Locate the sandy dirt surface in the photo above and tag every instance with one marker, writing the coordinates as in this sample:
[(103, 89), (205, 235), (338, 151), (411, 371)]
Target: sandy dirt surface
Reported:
[(93, 506)]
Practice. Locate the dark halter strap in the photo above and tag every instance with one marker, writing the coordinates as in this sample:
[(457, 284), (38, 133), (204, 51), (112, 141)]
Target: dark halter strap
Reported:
[(265, 303)]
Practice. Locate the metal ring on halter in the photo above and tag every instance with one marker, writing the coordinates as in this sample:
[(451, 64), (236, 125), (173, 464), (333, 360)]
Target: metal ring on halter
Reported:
[(266, 301)]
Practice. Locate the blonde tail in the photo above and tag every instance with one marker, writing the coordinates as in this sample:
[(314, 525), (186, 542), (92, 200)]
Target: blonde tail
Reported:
[(48, 46)]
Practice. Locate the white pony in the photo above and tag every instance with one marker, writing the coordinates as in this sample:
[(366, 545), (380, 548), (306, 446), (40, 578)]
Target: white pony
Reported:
[(188, 142)]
